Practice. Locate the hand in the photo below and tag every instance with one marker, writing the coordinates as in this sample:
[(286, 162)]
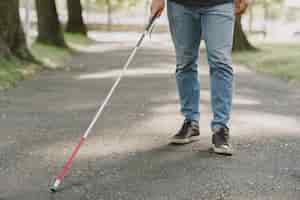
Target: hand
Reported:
[(241, 6), (157, 7)]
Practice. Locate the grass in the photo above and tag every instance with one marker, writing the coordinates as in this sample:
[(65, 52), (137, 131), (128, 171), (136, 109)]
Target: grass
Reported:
[(13, 70), (281, 60), (55, 57), (77, 39), (51, 56)]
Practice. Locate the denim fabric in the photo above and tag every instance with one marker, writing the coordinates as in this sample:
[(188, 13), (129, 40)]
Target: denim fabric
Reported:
[(215, 25), (202, 3)]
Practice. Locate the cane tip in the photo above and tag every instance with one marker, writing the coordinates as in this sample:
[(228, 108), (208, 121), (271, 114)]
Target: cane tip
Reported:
[(53, 189), (55, 186)]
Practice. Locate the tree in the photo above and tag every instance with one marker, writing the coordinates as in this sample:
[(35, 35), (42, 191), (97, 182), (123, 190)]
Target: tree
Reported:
[(240, 40), (75, 20), (49, 28), (109, 14), (12, 37), (112, 5)]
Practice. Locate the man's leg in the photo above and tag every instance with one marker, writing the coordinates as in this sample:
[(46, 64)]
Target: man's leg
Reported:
[(185, 27), (217, 26)]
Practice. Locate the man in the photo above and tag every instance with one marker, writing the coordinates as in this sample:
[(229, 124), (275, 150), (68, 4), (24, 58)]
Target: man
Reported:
[(212, 20)]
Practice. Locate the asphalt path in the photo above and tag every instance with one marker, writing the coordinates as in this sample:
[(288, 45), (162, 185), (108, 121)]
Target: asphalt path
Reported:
[(127, 155)]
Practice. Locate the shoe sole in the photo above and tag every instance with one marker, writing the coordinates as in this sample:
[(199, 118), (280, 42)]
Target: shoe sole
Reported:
[(184, 141), (222, 151)]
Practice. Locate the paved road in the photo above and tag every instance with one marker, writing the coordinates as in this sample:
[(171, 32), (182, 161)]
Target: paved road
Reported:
[(128, 156)]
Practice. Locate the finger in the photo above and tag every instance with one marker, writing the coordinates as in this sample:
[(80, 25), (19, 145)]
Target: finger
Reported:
[(244, 8), (237, 3), (237, 6), (237, 11), (159, 12), (241, 9), (155, 12)]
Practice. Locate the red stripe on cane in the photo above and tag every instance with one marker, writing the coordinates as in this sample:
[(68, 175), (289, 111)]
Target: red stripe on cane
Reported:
[(68, 164)]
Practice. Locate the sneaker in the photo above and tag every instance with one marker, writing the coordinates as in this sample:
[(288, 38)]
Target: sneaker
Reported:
[(220, 140), (188, 133)]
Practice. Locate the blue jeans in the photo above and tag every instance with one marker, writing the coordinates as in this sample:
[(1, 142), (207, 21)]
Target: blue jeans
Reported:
[(215, 25)]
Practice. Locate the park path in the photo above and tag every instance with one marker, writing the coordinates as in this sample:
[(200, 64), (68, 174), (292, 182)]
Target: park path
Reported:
[(128, 156)]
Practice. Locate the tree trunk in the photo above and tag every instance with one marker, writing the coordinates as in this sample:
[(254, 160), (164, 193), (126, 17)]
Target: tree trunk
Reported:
[(12, 37), (240, 41), (250, 23), (109, 14), (49, 29), (75, 20), (266, 17)]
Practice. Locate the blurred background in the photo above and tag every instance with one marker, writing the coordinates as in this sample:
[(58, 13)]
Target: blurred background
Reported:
[(268, 32), (268, 20)]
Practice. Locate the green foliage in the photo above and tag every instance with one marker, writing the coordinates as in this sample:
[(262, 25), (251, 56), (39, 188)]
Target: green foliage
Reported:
[(13, 70), (272, 8), (269, 2), (54, 57), (78, 39), (281, 60), (51, 56), (118, 4)]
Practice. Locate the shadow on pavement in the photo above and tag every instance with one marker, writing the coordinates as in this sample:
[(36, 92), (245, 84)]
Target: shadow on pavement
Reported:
[(127, 156)]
